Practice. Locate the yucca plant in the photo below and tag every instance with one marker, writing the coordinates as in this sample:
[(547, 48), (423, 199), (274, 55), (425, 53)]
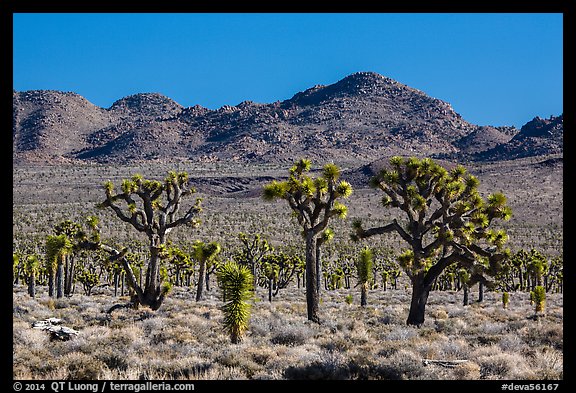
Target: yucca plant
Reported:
[(349, 299), (364, 271), (236, 282), (505, 299), (538, 295)]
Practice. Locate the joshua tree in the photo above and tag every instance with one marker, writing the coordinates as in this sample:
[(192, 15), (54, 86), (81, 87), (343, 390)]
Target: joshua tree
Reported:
[(537, 267), (364, 270), (151, 207), (447, 222), (254, 248), (16, 267), (279, 269), (204, 253), (89, 279), (71, 230), (314, 203), (271, 273), (57, 247), (31, 266), (236, 283)]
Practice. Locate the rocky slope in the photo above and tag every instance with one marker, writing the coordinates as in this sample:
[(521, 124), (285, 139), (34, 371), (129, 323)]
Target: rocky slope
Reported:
[(361, 118)]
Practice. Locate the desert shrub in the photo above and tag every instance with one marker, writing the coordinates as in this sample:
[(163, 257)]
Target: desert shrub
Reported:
[(337, 343), (233, 357), (492, 328), (467, 371), (169, 367), (501, 366), (402, 333), (547, 364), (546, 335), (450, 326), (403, 364), (291, 335), (261, 354), (455, 349), (332, 366), (438, 313), (39, 362), (81, 366), (25, 336), (511, 342)]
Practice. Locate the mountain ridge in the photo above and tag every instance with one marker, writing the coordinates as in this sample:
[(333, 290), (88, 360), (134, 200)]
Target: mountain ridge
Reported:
[(360, 118)]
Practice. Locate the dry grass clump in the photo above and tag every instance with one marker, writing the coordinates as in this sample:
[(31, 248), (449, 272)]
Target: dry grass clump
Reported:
[(185, 340)]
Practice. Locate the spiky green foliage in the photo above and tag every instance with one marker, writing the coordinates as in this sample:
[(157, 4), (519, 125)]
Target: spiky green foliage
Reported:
[(349, 299), (204, 253), (505, 299), (57, 247), (538, 295), (364, 266), (31, 267), (154, 208), (314, 201), (89, 280), (364, 271), (236, 284), (445, 221)]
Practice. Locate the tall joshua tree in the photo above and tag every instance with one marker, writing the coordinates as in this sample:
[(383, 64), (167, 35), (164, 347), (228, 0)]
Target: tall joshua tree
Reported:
[(203, 253), (153, 208), (31, 265), (314, 203), (72, 231), (447, 222), (254, 248), (57, 248), (364, 270)]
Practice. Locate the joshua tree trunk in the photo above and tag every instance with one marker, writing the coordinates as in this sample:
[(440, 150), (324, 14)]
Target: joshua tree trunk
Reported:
[(69, 275), (312, 295), (364, 295), (318, 270), (32, 284), (466, 300), (60, 278), (201, 275), (420, 293), (270, 290), (51, 276), (480, 292), (116, 279)]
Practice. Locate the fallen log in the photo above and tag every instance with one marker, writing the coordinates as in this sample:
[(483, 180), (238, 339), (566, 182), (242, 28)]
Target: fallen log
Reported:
[(444, 363), (57, 332)]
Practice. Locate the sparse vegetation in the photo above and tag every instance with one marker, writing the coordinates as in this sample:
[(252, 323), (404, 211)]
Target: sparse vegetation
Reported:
[(184, 339), (446, 223)]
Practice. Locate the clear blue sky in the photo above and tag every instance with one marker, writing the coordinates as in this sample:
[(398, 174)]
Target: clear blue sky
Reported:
[(494, 68)]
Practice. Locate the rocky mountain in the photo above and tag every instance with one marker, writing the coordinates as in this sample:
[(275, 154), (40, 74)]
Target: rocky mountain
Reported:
[(363, 117), (537, 137)]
